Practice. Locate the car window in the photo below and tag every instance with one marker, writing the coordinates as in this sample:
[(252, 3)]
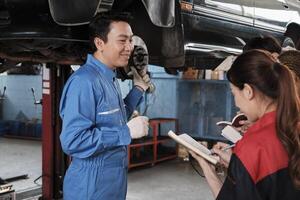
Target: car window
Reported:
[(275, 15), (236, 10)]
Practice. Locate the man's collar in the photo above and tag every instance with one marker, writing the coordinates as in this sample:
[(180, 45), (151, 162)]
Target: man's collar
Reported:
[(102, 68)]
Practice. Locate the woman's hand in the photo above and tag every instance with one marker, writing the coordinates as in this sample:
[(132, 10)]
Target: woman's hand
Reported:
[(245, 124), (203, 163), (224, 155), (210, 174)]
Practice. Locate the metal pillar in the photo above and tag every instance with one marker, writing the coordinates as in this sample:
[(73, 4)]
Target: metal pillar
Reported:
[(54, 161)]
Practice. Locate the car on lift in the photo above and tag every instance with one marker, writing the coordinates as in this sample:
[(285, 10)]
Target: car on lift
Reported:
[(218, 26), (178, 33)]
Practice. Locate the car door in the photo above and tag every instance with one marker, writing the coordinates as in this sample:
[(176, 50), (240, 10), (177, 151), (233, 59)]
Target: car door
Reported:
[(275, 15), (237, 11)]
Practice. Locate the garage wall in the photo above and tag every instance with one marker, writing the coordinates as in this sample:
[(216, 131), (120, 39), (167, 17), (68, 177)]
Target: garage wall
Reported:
[(19, 102), (198, 104), (162, 103)]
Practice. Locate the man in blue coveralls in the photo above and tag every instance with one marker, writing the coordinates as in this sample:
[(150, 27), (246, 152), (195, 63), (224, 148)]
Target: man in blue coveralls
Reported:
[(95, 130)]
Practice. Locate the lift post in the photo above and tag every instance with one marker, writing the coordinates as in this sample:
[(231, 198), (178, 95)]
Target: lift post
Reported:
[(54, 161)]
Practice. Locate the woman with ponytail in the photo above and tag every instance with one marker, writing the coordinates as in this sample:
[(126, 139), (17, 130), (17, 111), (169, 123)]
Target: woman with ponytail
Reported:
[(265, 163)]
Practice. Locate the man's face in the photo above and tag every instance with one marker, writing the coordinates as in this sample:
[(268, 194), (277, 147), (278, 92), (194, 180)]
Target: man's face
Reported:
[(118, 47)]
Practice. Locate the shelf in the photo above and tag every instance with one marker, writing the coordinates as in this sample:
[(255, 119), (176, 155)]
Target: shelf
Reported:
[(141, 142), (165, 157), (141, 164), (144, 158), (204, 81), (163, 141), (162, 120), (150, 150), (165, 153)]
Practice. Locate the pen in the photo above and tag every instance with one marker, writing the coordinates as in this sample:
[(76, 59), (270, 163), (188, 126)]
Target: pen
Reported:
[(228, 147), (224, 149)]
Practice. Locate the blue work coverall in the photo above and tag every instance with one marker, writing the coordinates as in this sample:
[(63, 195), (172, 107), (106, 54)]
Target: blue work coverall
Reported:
[(95, 133)]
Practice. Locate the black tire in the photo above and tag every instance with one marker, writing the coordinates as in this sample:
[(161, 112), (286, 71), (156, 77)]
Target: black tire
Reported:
[(287, 41), (293, 32)]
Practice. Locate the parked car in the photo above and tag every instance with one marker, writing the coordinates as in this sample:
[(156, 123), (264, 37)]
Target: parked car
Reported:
[(178, 33)]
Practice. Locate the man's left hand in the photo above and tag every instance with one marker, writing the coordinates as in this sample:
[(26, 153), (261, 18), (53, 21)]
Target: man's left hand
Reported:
[(141, 81)]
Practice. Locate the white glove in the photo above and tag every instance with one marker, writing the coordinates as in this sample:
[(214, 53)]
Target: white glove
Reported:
[(138, 127), (140, 80)]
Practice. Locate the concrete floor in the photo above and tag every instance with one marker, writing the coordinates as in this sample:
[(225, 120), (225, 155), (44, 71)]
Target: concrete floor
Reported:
[(18, 157), (170, 180)]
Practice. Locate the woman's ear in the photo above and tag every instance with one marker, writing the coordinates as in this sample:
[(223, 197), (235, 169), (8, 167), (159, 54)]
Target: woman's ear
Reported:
[(248, 91), (98, 43)]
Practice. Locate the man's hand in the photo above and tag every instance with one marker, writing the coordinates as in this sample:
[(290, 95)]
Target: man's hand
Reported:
[(140, 80), (138, 127)]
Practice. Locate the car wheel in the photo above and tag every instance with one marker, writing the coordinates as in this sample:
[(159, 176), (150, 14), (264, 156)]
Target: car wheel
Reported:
[(287, 42), (293, 32)]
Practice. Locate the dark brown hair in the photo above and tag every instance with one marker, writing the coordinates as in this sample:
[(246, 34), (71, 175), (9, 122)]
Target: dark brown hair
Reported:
[(274, 80), (267, 43), (291, 59)]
